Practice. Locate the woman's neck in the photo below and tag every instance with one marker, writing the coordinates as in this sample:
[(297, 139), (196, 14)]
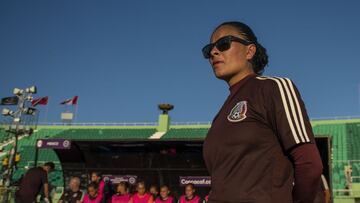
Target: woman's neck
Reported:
[(190, 197), (239, 76)]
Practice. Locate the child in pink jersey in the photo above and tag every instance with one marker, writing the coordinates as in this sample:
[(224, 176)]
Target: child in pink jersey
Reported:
[(164, 195), (95, 177), (92, 195), (154, 190), (141, 196), (122, 195), (206, 199), (190, 196)]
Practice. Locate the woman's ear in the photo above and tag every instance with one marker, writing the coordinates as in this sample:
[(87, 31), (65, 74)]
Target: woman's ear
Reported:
[(251, 50)]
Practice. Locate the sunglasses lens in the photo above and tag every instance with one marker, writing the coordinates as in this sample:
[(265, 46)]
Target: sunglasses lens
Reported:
[(206, 51), (223, 44)]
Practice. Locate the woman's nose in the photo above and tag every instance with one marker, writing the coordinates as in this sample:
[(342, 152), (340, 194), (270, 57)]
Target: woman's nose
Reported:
[(214, 52)]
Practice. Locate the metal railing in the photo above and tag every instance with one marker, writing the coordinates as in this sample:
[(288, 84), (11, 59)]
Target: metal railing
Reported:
[(335, 118), (347, 175), (122, 123), (172, 123), (7, 194), (99, 124), (192, 123)]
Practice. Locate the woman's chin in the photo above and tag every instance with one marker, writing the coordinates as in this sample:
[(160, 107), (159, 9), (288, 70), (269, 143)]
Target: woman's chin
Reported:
[(220, 75)]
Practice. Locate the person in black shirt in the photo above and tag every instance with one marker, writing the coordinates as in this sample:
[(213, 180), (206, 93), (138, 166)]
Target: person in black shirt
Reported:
[(73, 195), (32, 182)]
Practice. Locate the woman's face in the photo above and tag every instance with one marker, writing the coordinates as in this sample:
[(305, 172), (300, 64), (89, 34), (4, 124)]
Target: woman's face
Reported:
[(92, 191), (164, 192), (121, 189), (95, 177), (234, 62), (74, 184), (189, 191), (141, 189), (153, 190)]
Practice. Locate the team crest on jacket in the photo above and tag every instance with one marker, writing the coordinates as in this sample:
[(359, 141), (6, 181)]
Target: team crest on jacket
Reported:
[(238, 112)]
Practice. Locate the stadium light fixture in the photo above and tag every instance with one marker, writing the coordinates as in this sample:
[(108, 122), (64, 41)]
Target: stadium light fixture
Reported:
[(14, 100), (32, 90), (18, 91), (29, 98), (7, 112), (29, 111)]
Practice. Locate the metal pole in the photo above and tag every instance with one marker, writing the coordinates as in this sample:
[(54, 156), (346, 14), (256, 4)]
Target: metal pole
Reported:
[(14, 149), (76, 111), (10, 170), (46, 113), (17, 128), (36, 155)]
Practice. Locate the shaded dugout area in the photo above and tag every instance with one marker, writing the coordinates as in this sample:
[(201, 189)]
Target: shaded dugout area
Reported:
[(155, 162)]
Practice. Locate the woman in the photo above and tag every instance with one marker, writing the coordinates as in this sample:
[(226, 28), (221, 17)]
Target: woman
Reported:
[(96, 178), (92, 195), (164, 196), (190, 196), (122, 195), (73, 194), (260, 147), (141, 196), (154, 191)]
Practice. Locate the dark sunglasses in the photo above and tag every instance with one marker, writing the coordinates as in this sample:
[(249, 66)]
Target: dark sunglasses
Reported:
[(222, 44)]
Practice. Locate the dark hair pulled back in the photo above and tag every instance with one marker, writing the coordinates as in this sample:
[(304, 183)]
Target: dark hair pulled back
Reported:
[(260, 59)]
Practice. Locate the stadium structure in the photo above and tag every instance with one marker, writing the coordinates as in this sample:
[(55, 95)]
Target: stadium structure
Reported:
[(164, 151)]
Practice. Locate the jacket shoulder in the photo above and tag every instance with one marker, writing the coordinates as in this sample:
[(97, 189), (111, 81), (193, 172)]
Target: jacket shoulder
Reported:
[(271, 82)]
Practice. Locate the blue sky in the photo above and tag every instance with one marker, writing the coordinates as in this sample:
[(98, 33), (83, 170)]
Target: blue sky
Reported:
[(124, 57)]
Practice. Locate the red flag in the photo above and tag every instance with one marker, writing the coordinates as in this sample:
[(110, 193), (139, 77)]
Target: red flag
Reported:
[(40, 101), (72, 101)]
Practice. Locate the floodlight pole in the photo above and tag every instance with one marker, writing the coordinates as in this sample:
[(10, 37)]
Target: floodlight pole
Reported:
[(15, 129), (13, 151)]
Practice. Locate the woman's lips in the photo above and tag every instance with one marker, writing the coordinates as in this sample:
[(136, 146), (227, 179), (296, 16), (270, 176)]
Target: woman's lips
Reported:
[(215, 63)]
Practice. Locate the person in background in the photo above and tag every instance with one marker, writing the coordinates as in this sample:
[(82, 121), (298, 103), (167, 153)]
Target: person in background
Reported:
[(73, 195), (92, 195), (122, 194), (52, 191), (206, 199), (190, 196), (96, 178), (141, 196), (164, 196), (32, 182), (154, 190), (348, 174)]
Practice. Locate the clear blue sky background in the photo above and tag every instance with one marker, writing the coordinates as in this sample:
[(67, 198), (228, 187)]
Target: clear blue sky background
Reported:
[(124, 57)]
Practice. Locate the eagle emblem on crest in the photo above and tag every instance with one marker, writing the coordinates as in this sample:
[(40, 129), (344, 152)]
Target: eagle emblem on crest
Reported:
[(238, 112)]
